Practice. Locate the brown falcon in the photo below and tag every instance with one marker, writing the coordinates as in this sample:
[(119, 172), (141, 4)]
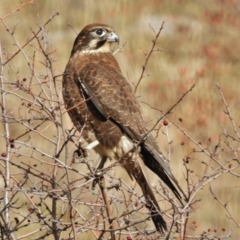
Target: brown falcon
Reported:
[(102, 106)]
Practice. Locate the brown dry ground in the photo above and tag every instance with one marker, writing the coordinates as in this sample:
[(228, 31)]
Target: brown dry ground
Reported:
[(201, 45)]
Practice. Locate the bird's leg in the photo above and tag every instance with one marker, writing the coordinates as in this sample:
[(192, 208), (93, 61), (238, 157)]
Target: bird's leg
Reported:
[(99, 176)]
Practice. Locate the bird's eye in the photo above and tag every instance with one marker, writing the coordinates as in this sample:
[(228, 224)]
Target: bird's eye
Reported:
[(99, 32)]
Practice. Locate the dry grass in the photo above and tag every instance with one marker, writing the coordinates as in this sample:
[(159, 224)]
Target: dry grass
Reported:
[(199, 45)]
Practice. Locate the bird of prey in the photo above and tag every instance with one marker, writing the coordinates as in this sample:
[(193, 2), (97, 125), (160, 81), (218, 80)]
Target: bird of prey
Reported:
[(103, 108)]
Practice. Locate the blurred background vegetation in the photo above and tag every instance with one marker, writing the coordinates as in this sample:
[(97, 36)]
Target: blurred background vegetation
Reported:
[(200, 44)]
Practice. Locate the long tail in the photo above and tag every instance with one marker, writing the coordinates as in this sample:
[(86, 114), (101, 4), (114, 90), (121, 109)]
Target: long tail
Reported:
[(152, 205), (154, 160), (137, 169)]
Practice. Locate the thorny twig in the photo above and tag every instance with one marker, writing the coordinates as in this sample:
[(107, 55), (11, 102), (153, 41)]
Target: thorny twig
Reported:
[(28, 41), (149, 55), (43, 174)]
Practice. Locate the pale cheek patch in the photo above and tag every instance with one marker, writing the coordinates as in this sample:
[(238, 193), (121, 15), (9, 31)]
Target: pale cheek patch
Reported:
[(93, 43), (104, 49)]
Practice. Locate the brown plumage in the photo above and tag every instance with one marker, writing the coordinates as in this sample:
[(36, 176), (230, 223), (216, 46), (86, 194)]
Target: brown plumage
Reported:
[(102, 106)]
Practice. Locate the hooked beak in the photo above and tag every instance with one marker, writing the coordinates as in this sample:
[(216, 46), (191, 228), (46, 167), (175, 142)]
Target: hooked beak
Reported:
[(113, 37)]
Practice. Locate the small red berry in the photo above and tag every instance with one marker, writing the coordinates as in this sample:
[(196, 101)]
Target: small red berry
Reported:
[(129, 238), (12, 145), (3, 154), (165, 122), (11, 140)]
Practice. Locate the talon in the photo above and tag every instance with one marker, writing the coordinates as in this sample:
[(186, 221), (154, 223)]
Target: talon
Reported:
[(80, 155)]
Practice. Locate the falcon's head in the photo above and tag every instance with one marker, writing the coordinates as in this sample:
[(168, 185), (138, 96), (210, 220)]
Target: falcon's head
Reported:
[(95, 38)]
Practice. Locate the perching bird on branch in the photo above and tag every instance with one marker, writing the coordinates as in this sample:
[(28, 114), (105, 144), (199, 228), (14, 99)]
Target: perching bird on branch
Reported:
[(102, 106)]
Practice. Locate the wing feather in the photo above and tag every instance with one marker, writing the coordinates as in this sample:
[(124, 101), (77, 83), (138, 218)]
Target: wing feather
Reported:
[(112, 95), (114, 98)]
